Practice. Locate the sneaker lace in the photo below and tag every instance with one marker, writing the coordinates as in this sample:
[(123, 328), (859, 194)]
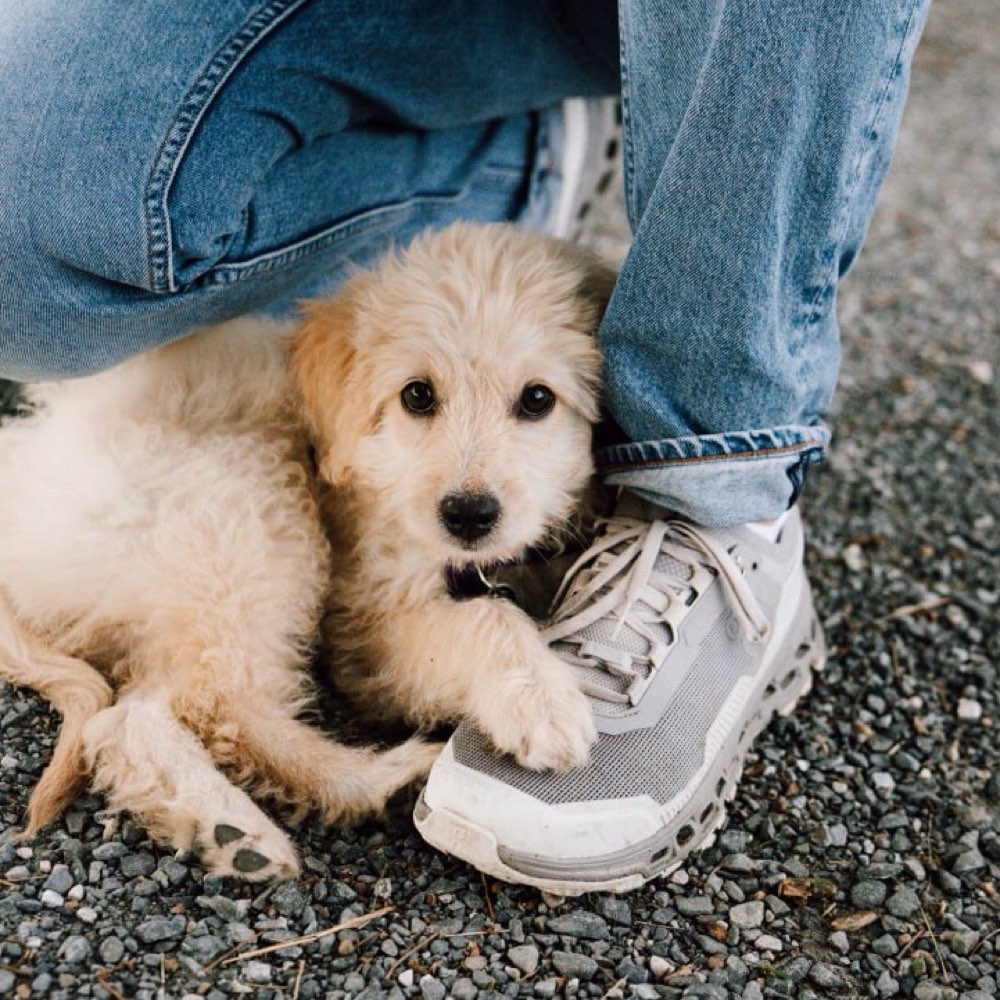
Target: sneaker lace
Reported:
[(617, 611)]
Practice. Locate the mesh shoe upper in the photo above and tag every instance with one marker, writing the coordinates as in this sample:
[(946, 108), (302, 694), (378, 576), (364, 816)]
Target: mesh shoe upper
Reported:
[(662, 620)]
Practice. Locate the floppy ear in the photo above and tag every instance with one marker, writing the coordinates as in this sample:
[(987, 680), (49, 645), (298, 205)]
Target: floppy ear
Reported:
[(597, 283), (331, 391)]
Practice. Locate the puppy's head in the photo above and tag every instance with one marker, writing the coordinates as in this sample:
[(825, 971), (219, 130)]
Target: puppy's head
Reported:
[(455, 386)]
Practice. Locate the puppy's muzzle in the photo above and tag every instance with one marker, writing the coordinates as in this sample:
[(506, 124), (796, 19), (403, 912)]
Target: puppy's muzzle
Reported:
[(469, 516)]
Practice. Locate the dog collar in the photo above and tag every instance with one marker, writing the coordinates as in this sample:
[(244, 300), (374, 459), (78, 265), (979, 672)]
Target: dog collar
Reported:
[(467, 582)]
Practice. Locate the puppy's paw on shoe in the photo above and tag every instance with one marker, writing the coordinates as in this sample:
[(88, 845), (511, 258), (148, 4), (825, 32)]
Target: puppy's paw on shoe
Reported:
[(546, 724), (257, 854)]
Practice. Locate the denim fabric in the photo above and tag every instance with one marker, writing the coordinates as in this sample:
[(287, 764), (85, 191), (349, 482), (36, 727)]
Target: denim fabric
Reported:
[(757, 135), (168, 165)]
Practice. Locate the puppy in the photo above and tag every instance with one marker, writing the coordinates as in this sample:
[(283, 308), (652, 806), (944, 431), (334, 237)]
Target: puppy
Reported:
[(451, 395), (162, 574)]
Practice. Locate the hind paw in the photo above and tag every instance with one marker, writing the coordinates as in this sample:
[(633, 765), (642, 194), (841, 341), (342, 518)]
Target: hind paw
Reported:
[(252, 851)]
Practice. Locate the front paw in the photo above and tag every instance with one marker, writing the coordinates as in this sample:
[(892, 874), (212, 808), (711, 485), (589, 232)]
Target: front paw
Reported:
[(542, 718)]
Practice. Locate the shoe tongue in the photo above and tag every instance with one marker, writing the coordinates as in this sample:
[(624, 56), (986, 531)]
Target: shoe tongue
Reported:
[(608, 631)]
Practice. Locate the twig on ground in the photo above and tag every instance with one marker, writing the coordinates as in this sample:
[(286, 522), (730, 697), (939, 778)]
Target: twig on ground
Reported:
[(486, 896), (937, 947), (298, 980), (315, 936), (406, 954), (909, 610)]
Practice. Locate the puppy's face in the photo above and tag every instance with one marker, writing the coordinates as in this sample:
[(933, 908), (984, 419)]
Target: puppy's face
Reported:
[(457, 385)]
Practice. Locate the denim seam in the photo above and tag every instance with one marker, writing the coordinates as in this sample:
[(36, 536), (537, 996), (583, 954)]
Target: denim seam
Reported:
[(628, 134), (815, 311), (754, 455), (384, 217), (178, 136)]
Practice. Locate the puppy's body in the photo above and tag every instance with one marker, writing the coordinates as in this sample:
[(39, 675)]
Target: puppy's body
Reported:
[(161, 528), (163, 567), (483, 316)]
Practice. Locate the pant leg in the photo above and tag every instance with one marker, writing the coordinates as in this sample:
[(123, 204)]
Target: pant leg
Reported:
[(757, 135), (168, 165)]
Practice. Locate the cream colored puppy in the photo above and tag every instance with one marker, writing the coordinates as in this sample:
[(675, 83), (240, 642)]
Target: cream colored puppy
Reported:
[(451, 394), (162, 574)]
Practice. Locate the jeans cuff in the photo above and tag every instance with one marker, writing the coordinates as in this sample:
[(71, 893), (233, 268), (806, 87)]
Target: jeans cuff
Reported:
[(718, 480)]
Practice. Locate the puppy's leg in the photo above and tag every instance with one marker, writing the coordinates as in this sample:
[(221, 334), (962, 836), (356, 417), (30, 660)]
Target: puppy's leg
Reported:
[(484, 659), (75, 689), (270, 751), (150, 765)]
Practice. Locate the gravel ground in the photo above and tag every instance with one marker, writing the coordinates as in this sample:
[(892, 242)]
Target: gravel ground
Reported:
[(862, 854)]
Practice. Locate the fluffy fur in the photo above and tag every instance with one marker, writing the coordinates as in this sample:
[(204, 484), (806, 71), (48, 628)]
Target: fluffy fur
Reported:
[(164, 568), (478, 313), (162, 574)]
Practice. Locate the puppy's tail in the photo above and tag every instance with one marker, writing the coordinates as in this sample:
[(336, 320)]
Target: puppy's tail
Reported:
[(75, 689)]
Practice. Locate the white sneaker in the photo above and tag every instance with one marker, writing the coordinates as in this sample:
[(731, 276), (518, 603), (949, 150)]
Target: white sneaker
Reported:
[(587, 155), (687, 641)]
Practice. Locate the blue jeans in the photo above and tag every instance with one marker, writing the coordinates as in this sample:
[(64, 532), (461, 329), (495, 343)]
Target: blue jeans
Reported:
[(168, 165)]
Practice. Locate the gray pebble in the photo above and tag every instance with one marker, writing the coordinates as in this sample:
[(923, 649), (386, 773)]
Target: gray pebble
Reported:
[(694, 906), (840, 941), (615, 909), (886, 985), (568, 963), (968, 861), (7, 981), (432, 989), (288, 899), (111, 950), (961, 942), (135, 865), (256, 972), (464, 989), (60, 880), (580, 924), (768, 942), (885, 945), (160, 929), (868, 894), (825, 976), (747, 915), (903, 903), (76, 948), (524, 957)]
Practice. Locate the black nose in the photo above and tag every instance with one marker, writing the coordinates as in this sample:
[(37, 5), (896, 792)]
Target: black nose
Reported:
[(469, 515)]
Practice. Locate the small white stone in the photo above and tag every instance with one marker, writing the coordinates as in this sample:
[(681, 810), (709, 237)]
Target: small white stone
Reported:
[(767, 942), (883, 781), (840, 941), (87, 914), (24, 853), (76, 892), (257, 972), (969, 710), (51, 899), (405, 978), (660, 967), (680, 877), (854, 558), (45, 865), (981, 371)]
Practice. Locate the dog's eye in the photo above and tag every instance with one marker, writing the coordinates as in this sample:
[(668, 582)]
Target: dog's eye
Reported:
[(418, 397), (536, 400)]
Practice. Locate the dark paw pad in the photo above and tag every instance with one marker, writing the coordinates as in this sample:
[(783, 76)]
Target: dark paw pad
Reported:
[(226, 834), (247, 861)]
